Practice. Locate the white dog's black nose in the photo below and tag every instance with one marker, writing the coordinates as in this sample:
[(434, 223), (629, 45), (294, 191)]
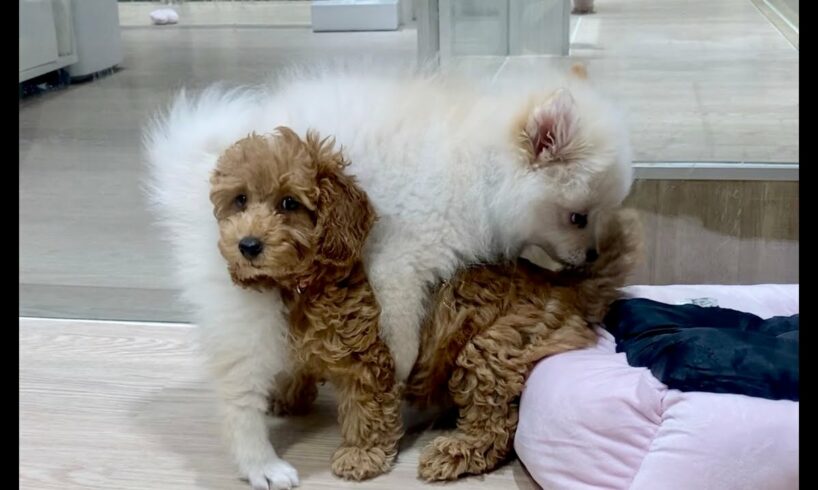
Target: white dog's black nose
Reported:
[(250, 247), (591, 255)]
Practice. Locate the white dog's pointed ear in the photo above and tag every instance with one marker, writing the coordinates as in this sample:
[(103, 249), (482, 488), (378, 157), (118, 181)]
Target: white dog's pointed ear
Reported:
[(551, 127)]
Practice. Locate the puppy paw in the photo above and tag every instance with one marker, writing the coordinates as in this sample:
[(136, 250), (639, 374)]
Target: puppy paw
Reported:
[(354, 463), (446, 458), (275, 475)]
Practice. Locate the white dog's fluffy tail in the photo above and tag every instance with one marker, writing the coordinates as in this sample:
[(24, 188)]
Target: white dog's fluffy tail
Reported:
[(181, 147), (180, 141), (242, 332)]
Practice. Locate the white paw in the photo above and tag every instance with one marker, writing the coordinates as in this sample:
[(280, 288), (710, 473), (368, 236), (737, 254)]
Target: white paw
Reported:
[(275, 475)]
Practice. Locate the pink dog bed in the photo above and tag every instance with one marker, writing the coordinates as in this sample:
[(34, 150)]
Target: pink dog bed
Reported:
[(589, 420)]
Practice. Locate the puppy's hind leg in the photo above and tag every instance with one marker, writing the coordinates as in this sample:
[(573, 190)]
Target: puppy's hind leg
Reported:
[(485, 385)]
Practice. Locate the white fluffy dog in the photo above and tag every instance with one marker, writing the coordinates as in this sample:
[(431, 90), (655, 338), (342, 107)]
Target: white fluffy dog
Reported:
[(456, 176)]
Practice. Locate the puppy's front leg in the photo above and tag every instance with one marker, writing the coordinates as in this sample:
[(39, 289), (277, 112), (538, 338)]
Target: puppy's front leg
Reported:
[(369, 413), (401, 294), (246, 349), (246, 430)]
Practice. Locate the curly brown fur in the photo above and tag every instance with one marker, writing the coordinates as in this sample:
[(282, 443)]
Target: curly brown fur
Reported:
[(487, 328), (335, 334), (309, 222), (317, 241)]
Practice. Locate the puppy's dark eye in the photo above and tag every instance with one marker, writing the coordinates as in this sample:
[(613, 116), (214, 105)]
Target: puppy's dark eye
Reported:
[(240, 201), (579, 220), (289, 204)]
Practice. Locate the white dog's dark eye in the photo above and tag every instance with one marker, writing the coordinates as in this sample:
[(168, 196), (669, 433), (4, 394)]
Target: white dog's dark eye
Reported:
[(289, 204), (579, 220), (240, 200)]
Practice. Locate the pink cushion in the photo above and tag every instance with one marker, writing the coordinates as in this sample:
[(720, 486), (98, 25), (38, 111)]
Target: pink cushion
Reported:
[(589, 420)]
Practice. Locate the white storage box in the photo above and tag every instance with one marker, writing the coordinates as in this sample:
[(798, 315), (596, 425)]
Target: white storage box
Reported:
[(355, 15), (98, 37)]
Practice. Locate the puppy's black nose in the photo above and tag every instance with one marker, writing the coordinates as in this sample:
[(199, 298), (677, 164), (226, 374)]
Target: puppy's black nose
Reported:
[(591, 255), (250, 247)]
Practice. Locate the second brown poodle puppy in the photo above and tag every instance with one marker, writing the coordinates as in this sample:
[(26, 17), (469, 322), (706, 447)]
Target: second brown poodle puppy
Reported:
[(291, 220), (487, 328)]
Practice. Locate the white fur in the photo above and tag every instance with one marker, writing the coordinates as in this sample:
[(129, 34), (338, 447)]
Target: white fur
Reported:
[(439, 162)]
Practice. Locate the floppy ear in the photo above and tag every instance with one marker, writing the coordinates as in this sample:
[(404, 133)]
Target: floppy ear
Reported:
[(345, 217), (551, 127)]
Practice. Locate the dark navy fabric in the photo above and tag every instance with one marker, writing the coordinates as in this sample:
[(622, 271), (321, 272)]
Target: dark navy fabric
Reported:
[(711, 349)]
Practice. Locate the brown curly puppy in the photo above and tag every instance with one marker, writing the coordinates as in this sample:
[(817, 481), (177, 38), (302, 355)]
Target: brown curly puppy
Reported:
[(487, 328), (291, 220)]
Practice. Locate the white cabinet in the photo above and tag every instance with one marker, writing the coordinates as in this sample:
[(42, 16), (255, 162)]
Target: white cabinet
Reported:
[(83, 35), (46, 37), (97, 36)]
